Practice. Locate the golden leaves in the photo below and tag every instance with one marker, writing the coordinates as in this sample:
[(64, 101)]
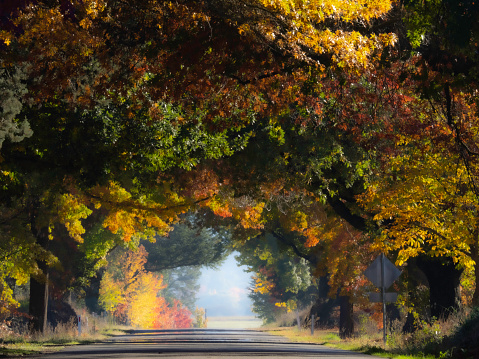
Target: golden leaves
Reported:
[(425, 197), (71, 210), (305, 36), (6, 37), (131, 293), (262, 285), (129, 216), (250, 216)]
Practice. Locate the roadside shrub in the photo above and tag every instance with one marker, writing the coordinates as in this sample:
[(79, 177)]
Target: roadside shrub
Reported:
[(464, 343), (366, 326), (430, 338)]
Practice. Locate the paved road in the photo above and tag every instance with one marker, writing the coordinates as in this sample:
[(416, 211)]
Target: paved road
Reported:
[(201, 344)]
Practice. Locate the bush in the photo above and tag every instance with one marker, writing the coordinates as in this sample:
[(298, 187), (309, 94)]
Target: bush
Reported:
[(430, 337), (464, 343)]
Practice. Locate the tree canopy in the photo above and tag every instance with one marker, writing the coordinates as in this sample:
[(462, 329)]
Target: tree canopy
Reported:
[(342, 127)]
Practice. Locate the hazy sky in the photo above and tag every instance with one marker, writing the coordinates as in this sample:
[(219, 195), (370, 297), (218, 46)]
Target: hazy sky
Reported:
[(224, 292)]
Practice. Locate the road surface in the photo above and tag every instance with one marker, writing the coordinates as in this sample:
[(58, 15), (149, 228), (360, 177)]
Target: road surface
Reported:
[(201, 344)]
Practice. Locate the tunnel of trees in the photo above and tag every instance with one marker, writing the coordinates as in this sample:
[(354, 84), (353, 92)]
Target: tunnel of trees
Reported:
[(308, 138)]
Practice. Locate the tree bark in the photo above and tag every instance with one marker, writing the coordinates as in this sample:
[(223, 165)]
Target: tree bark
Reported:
[(475, 257), (323, 307), (444, 280), (346, 322), (38, 306)]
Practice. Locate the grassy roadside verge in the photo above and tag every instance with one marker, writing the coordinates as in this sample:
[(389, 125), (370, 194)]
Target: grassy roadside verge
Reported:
[(19, 346), (372, 345)]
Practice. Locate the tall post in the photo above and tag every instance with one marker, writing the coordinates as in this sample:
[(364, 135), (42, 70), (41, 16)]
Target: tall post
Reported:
[(383, 294)]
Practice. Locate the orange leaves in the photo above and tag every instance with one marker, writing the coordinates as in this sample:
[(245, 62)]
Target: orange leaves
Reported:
[(198, 56), (168, 317), (201, 183), (56, 44), (219, 208), (129, 292), (347, 256)]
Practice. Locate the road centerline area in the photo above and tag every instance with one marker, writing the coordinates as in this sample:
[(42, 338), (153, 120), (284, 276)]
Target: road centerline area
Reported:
[(200, 344)]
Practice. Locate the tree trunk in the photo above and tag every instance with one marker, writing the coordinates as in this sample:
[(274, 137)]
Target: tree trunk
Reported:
[(444, 280), (323, 307), (38, 306), (346, 323), (475, 257)]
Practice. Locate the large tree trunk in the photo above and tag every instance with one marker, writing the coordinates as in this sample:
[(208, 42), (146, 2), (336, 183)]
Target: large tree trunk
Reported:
[(444, 280), (38, 306), (346, 322)]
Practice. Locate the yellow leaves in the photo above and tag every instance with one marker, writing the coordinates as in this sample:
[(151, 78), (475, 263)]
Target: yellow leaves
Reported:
[(123, 214), (128, 290), (71, 210), (243, 29), (290, 305), (250, 216), (110, 293), (94, 7), (262, 285), (299, 221), (142, 304), (425, 197), (318, 10), (6, 37), (304, 19), (130, 216)]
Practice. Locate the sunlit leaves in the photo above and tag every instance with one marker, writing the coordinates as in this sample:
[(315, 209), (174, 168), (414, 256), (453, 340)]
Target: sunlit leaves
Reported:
[(143, 216), (297, 26), (70, 213), (428, 206), (132, 294)]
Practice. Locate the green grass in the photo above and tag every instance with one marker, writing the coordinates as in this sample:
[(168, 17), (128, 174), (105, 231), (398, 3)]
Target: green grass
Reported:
[(24, 349)]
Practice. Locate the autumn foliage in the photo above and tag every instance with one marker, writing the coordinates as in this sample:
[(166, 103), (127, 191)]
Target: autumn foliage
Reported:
[(340, 128), (132, 294)]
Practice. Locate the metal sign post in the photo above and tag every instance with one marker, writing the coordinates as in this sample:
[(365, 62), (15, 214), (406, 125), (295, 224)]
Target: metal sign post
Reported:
[(383, 292), (382, 272)]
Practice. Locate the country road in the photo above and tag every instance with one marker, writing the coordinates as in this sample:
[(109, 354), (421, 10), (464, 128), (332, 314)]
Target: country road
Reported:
[(200, 344)]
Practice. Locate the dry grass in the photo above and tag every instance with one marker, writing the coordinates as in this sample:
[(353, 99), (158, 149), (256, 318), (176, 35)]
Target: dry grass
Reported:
[(428, 342), (20, 341), (372, 345)]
